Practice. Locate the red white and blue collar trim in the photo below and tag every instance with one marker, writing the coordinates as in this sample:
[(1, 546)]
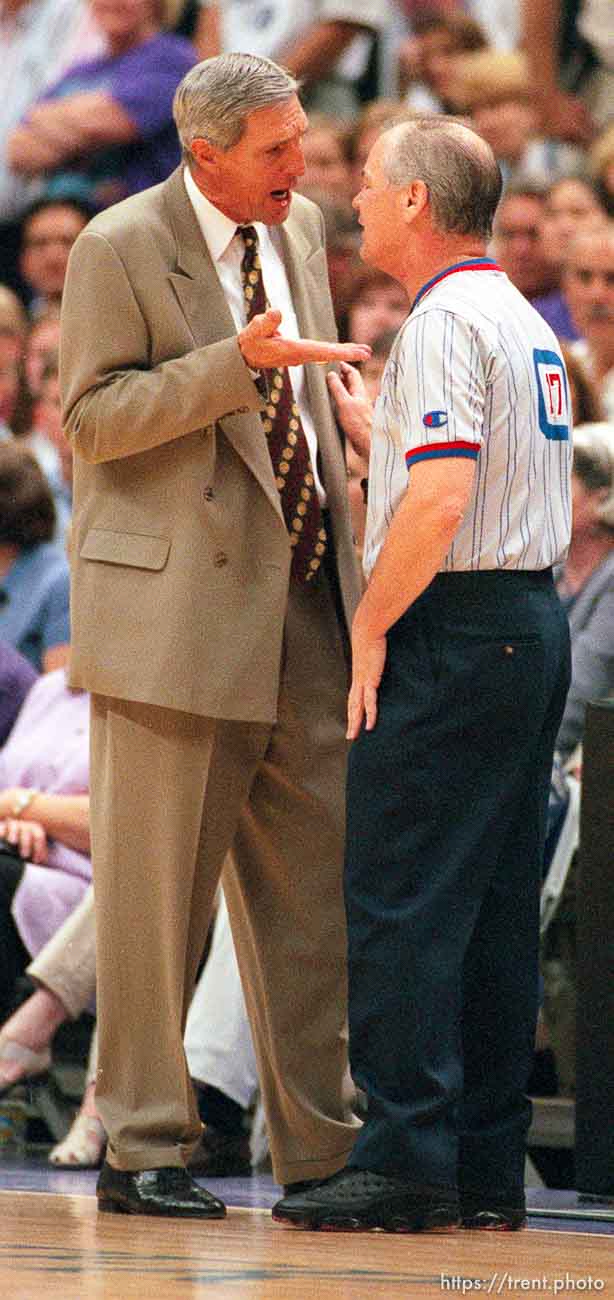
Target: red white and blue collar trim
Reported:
[(473, 264)]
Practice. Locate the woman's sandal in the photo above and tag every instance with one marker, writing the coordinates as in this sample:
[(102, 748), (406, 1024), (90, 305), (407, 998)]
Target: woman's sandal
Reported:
[(83, 1147)]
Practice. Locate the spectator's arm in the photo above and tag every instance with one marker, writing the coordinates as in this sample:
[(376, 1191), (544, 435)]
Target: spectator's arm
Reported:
[(312, 54), (63, 817), (207, 36), (562, 115), (56, 130)]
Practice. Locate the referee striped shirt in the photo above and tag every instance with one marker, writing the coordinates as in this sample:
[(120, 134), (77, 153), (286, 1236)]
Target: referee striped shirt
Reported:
[(476, 372)]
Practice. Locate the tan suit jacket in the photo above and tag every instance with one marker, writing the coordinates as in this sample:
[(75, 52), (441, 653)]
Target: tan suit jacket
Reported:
[(180, 551)]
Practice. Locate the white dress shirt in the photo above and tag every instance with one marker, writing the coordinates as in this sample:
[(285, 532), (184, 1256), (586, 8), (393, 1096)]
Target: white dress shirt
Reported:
[(227, 248)]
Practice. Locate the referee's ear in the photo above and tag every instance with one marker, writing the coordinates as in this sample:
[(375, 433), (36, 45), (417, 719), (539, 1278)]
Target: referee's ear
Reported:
[(417, 198)]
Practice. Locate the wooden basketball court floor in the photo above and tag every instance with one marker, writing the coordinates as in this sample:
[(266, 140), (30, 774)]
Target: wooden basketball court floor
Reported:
[(55, 1246)]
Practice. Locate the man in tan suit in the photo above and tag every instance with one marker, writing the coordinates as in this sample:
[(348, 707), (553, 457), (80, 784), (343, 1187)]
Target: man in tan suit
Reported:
[(217, 671)]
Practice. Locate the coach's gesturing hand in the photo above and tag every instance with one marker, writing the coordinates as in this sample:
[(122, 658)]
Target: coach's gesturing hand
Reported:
[(263, 347)]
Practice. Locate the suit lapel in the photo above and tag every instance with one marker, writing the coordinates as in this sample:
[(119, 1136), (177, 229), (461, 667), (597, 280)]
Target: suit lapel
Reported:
[(203, 302)]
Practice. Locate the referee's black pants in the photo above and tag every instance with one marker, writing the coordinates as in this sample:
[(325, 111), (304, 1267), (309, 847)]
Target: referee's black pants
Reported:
[(446, 812)]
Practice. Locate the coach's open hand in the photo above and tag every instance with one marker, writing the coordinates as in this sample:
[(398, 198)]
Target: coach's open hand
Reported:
[(262, 346)]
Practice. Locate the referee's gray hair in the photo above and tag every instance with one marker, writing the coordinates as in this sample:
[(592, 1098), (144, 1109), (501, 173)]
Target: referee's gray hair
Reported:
[(457, 166), (215, 97)]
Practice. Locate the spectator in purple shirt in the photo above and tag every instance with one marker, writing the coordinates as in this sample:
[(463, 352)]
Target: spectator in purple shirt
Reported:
[(108, 122), (16, 677), (44, 814), (571, 202)]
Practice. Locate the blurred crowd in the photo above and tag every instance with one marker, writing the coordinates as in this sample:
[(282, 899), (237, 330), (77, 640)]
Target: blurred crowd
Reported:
[(86, 119)]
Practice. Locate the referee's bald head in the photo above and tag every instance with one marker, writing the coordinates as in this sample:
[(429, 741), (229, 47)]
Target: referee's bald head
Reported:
[(457, 166)]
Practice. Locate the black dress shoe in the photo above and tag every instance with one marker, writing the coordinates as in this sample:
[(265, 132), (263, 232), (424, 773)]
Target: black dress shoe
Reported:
[(291, 1189), (168, 1191), (221, 1155), (493, 1218), (356, 1200)]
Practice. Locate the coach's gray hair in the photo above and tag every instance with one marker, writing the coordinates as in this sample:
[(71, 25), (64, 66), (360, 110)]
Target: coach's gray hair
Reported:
[(458, 168), (215, 97)]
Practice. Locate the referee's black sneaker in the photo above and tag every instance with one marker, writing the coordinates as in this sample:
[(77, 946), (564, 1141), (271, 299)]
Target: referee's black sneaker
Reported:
[(358, 1200)]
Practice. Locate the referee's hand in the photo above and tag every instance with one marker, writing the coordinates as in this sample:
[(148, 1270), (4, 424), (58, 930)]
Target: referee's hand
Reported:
[(368, 659), (354, 408)]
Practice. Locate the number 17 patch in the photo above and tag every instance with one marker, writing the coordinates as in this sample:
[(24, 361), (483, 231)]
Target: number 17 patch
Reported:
[(552, 394)]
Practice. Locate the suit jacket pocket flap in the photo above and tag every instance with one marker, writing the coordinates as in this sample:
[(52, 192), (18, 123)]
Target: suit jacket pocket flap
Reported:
[(135, 549)]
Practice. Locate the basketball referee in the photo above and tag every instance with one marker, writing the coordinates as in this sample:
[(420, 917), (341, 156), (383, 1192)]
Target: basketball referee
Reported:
[(460, 672)]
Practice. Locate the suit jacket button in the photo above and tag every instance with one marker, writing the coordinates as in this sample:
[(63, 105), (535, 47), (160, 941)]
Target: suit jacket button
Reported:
[(220, 559), (208, 493)]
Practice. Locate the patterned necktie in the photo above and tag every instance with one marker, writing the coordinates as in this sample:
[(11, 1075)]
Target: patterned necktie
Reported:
[(286, 438)]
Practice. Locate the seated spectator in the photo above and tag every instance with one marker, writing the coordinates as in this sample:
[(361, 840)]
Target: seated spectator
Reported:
[(108, 122), (41, 346), (586, 580), (48, 231), (569, 47), (373, 369), (586, 587), (585, 404), (588, 285), (48, 430), (342, 240), (572, 203), (64, 974), (16, 677), (34, 578), (518, 241), (13, 316), (427, 58), (357, 466), (217, 1041), (326, 163), (375, 303), (375, 308), (15, 396), (601, 164), (42, 342), (326, 44), (44, 816), (39, 39), (493, 88)]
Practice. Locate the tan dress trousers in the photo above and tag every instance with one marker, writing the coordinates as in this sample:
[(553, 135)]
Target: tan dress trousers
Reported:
[(171, 793)]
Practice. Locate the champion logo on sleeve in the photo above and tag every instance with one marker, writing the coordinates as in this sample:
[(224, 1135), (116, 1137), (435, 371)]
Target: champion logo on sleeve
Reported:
[(435, 419)]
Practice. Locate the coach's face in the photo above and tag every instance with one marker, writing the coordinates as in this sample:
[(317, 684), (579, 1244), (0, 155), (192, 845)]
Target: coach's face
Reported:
[(254, 179), (384, 212)]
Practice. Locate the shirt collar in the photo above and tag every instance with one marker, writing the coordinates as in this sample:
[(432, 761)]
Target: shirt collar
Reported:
[(217, 229), (471, 264)]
